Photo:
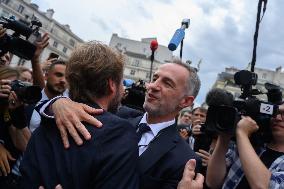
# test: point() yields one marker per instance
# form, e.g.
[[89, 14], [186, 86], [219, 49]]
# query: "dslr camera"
[[22, 42], [26, 92], [180, 127], [224, 118]]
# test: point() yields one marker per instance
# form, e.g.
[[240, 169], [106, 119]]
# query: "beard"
[[114, 103], [53, 90], [160, 109]]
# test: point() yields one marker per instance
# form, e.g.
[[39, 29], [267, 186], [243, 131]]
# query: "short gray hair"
[[193, 83]]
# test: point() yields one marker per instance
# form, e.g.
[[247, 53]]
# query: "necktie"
[[142, 128]]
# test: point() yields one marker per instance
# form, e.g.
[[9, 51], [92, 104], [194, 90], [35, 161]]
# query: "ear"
[[45, 76], [112, 86], [186, 101]]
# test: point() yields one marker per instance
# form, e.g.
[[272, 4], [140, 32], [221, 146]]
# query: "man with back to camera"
[[245, 167], [109, 159], [163, 153]]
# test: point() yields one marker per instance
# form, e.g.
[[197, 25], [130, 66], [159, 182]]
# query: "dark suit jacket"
[[108, 160], [127, 112], [161, 165]]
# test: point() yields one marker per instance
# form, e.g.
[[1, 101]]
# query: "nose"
[[153, 86], [63, 80]]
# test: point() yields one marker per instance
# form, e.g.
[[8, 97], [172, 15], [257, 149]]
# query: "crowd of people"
[[80, 135]]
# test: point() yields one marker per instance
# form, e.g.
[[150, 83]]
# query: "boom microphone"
[[218, 97], [178, 35]]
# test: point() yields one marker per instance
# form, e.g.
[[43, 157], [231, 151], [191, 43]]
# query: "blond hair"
[[90, 67]]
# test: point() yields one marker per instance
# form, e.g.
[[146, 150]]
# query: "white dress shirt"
[[147, 137], [36, 119]]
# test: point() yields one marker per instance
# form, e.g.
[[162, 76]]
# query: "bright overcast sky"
[[220, 33]]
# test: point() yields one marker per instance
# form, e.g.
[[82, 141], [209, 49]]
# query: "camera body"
[[26, 92], [22, 42], [186, 127]]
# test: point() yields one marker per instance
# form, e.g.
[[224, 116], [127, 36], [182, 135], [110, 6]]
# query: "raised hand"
[[188, 181]]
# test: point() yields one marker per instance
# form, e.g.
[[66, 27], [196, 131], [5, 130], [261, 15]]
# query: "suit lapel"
[[164, 142], [135, 121]]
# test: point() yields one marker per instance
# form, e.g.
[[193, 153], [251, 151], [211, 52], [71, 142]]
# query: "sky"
[[220, 33]]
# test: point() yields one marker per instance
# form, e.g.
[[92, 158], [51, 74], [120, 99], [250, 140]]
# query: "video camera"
[[21, 42], [224, 118], [135, 96]]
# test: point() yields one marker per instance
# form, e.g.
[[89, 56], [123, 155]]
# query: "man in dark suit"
[[163, 154], [109, 159]]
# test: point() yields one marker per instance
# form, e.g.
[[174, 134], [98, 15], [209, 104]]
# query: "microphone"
[[178, 35], [153, 47], [128, 82]]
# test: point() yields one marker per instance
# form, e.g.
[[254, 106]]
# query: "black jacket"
[[161, 165], [108, 160]]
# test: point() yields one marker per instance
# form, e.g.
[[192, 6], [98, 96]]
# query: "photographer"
[[201, 140], [6, 58], [184, 125], [185, 117], [244, 166], [25, 74], [14, 134]]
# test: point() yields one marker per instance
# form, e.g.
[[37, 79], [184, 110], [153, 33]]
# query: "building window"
[[132, 72], [72, 42], [21, 62], [5, 13], [135, 63], [34, 17], [64, 49], [21, 8], [264, 75], [6, 2], [148, 75], [55, 44]]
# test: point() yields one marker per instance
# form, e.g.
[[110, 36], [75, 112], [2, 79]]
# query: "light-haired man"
[[109, 159]]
